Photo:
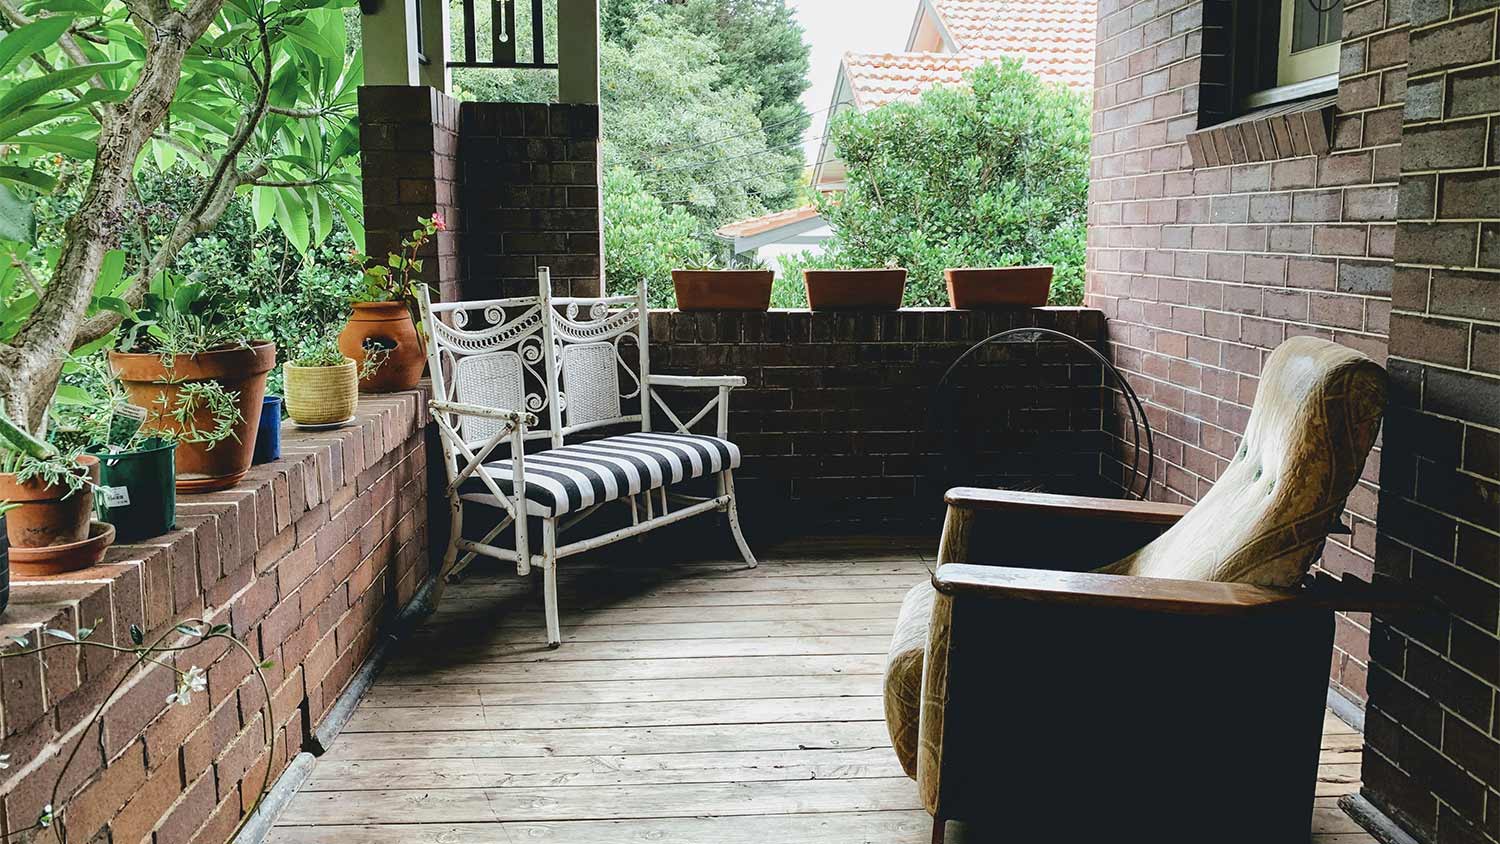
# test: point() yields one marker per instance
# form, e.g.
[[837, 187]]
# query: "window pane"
[[1314, 28]]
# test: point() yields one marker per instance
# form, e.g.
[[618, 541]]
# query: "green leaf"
[[219, 630], [37, 114], [322, 218], [163, 154], [262, 206], [31, 90], [16, 220], [29, 39], [137, 635], [270, 663], [292, 218], [69, 145], [29, 177]]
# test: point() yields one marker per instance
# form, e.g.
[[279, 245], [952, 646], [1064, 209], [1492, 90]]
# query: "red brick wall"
[[531, 196], [408, 139], [1432, 759], [841, 421], [1202, 271], [303, 559]]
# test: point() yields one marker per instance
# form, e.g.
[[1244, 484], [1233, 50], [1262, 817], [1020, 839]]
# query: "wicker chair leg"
[[549, 582], [939, 828], [734, 520]]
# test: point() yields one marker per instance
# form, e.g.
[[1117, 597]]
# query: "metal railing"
[[503, 52]]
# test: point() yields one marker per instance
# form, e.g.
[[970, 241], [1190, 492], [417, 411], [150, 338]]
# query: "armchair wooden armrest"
[[1008, 527], [1110, 509], [695, 380], [1155, 594]]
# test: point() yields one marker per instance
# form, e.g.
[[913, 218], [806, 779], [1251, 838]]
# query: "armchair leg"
[[939, 828], [726, 480], [455, 532], [549, 582]]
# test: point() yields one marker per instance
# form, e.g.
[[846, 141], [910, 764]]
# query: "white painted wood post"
[[388, 38]]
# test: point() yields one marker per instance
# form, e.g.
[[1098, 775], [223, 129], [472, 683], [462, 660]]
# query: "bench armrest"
[[695, 380], [1077, 506], [515, 417]]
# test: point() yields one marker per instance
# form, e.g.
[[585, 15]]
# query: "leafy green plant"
[[643, 239], [29, 457], [990, 173], [322, 350], [90, 397], [176, 318]]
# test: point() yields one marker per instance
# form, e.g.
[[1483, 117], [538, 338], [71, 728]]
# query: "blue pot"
[[4, 564], [268, 438]]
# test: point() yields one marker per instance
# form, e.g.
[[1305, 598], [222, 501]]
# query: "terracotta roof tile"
[[1055, 38], [880, 78]]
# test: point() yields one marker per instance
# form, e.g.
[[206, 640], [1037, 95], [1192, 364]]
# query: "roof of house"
[[766, 222], [1055, 38], [879, 78]]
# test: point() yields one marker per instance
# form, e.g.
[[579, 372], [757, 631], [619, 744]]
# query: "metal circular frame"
[[1138, 420]]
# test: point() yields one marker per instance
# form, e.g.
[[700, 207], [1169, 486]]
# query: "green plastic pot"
[[138, 490]]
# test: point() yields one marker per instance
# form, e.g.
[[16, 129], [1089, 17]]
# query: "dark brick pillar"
[[530, 188], [1431, 758], [409, 153]]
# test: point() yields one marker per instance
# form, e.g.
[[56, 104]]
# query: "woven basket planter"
[[321, 395]]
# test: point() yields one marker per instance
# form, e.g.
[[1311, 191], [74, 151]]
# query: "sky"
[[835, 27]]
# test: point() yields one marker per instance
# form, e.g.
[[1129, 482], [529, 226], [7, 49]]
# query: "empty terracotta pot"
[[870, 290], [723, 290], [50, 514], [58, 559], [387, 326], [202, 467], [998, 287]]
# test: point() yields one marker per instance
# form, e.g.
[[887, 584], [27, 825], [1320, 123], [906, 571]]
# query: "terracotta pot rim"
[[376, 306], [36, 490], [999, 269], [860, 270], [737, 271], [252, 359]]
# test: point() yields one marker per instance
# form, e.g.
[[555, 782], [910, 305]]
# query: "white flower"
[[44, 820], [4, 761], [195, 680]]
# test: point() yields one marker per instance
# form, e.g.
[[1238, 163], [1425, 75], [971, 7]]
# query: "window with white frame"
[[1285, 50]]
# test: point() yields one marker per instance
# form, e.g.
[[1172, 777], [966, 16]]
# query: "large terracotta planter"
[[50, 514], [723, 290], [998, 287], [202, 467], [321, 395], [867, 290], [387, 325]]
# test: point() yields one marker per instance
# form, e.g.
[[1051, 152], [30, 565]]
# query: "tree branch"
[[286, 183]]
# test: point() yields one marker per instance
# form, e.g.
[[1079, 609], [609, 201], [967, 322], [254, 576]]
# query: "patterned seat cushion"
[[903, 673], [574, 477]]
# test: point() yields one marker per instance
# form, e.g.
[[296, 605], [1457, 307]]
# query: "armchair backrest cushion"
[[1316, 414]]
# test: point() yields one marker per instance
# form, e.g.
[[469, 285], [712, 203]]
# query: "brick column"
[[1431, 759], [409, 154], [530, 188]]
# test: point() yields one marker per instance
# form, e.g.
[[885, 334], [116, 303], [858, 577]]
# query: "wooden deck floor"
[[691, 702]]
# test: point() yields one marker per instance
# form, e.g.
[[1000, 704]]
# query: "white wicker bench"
[[497, 364]]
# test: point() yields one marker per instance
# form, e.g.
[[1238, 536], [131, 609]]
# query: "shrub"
[[644, 239], [991, 173]]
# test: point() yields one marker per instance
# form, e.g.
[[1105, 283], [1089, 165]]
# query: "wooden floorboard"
[[693, 701]]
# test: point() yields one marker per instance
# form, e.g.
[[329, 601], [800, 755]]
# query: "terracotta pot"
[[998, 287], [389, 326], [57, 559], [723, 290], [321, 395], [870, 290], [149, 384], [50, 514]]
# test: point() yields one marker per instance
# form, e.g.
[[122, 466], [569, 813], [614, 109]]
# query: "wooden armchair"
[[1174, 695]]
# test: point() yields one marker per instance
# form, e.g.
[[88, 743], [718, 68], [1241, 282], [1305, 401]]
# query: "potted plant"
[[704, 287], [384, 329], [865, 289], [201, 383], [998, 287], [50, 494], [322, 384]]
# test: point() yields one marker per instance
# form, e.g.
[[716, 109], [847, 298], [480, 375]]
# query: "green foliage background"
[[990, 173]]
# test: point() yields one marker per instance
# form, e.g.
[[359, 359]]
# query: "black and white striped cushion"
[[563, 480]]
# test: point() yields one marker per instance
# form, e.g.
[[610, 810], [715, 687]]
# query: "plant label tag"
[[116, 496], [124, 421]]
